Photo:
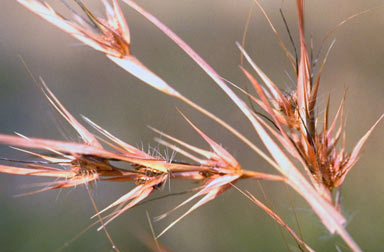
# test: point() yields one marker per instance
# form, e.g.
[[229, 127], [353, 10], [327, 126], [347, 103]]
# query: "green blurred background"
[[87, 83]]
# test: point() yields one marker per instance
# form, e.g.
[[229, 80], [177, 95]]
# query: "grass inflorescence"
[[306, 149]]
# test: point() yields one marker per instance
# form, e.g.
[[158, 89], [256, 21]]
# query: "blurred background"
[[89, 84]]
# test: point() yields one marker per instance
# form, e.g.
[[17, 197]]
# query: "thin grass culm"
[[300, 139]]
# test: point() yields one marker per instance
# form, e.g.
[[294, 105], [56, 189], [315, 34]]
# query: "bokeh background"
[[87, 83]]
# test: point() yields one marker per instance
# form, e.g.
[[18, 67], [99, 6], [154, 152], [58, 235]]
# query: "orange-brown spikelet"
[[73, 163], [110, 36], [81, 169], [224, 171], [84, 162]]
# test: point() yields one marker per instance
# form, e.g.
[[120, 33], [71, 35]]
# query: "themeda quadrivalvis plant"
[[288, 126]]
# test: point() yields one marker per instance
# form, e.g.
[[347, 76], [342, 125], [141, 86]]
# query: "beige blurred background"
[[87, 83]]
